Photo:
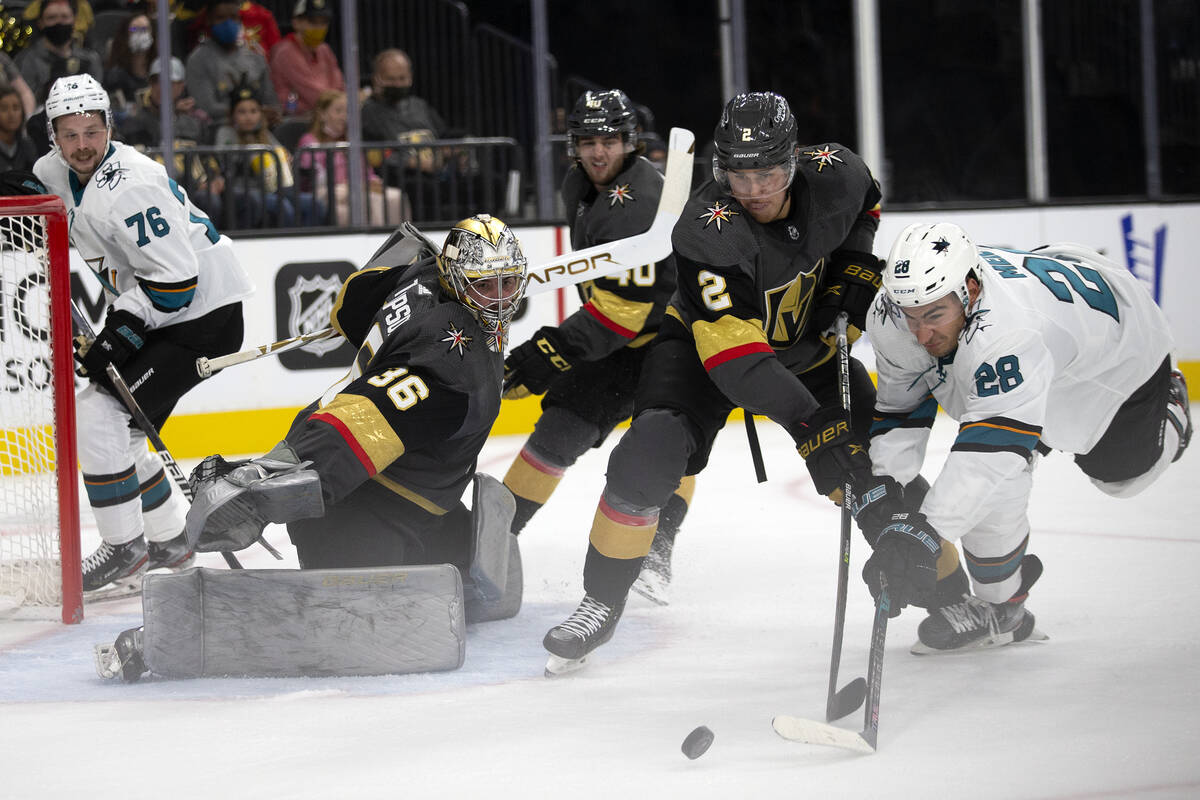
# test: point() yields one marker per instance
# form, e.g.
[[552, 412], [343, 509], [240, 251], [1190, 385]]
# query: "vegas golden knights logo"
[[788, 308]]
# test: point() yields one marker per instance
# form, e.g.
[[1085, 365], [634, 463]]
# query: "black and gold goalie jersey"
[[747, 291], [420, 399], [625, 309]]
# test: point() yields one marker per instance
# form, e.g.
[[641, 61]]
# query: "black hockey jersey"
[[747, 290], [419, 401], [622, 310]]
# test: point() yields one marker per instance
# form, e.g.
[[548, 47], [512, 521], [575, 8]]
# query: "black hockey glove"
[[831, 453], [907, 553], [123, 335], [850, 286], [531, 367]]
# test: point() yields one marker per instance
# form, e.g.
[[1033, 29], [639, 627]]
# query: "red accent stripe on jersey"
[[874, 212], [736, 352], [541, 466], [351, 442], [621, 518], [608, 323]]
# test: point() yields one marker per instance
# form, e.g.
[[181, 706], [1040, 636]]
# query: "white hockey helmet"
[[483, 267], [76, 94], [928, 262]]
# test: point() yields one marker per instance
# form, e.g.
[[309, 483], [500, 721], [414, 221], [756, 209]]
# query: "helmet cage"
[[483, 267]]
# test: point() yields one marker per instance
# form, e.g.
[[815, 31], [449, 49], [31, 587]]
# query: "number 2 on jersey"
[[1098, 296]]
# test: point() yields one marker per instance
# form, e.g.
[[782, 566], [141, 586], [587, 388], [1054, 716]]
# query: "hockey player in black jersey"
[[588, 365], [765, 262], [373, 472]]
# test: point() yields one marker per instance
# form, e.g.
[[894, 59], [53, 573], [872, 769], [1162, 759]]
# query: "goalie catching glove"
[[532, 366], [234, 500], [850, 286], [122, 336]]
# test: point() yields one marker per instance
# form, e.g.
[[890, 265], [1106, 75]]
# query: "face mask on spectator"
[[140, 41], [58, 35], [314, 36], [226, 31], [394, 94]]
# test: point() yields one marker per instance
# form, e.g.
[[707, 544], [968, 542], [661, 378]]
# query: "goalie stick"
[[566, 270], [798, 729], [840, 702]]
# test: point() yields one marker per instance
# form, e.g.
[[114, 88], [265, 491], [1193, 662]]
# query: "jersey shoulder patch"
[[714, 229]]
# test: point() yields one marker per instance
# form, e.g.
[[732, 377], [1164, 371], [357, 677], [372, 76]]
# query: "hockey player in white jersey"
[[1054, 349], [173, 287]]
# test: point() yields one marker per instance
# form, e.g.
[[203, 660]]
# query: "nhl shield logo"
[[311, 301]]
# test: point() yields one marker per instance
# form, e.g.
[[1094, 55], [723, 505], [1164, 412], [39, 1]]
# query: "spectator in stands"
[[321, 168], [17, 150], [55, 53], [259, 182], [201, 176], [260, 30], [302, 64], [11, 76], [84, 17], [392, 108], [222, 63], [127, 67]]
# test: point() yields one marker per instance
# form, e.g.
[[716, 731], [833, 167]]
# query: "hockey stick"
[[566, 270], [83, 327], [840, 702], [760, 470], [797, 729]]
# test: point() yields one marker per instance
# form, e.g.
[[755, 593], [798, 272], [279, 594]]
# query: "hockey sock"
[[532, 478]]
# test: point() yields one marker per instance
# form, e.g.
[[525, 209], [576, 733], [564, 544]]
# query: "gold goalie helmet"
[[483, 267]]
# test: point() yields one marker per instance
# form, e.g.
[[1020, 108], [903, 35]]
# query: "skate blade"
[[178, 566], [653, 589], [557, 666], [982, 643], [117, 590]]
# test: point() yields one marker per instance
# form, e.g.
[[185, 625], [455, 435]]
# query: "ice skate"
[[114, 570], [173, 554], [123, 658], [975, 624], [588, 627], [654, 581], [1179, 411]]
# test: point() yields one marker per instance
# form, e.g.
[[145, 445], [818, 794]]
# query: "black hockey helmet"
[[604, 113], [757, 130]]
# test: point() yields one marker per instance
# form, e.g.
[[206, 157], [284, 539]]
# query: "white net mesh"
[[30, 571]]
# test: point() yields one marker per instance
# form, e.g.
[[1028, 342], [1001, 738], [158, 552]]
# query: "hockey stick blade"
[[846, 700], [634, 251], [808, 731]]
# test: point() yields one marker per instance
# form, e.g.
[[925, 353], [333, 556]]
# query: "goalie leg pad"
[[492, 510], [288, 623]]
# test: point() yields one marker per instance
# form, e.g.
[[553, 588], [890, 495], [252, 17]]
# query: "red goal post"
[[39, 494]]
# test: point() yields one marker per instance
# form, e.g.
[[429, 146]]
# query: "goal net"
[[39, 505]]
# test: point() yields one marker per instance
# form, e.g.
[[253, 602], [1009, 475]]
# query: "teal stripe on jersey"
[[920, 417], [111, 490], [155, 491], [995, 435]]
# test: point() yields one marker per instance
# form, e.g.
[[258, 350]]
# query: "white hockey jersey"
[[158, 256], [1055, 343]]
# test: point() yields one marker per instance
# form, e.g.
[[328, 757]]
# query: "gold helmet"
[[483, 267]]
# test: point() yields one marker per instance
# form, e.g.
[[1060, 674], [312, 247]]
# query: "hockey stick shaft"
[[143, 422], [840, 703], [566, 270], [760, 469], [883, 605]]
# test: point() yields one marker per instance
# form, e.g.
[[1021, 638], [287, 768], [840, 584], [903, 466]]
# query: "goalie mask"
[[483, 267], [927, 263], [607, 113], [76, 94], [756, 135]]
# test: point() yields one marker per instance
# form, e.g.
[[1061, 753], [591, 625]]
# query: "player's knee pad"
[[561, 437], [646, 466], [234, 501]]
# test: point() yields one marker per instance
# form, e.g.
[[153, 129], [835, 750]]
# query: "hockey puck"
[[697, 742]]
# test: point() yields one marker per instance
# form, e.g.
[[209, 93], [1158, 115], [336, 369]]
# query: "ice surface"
[[1108, 708]]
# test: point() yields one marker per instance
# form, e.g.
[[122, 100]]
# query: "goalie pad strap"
[[282, 623]]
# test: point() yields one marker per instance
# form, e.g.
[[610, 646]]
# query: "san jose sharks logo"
[[457, 340], [718, 213], [824, 156], [110, 175], [619, 194]]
